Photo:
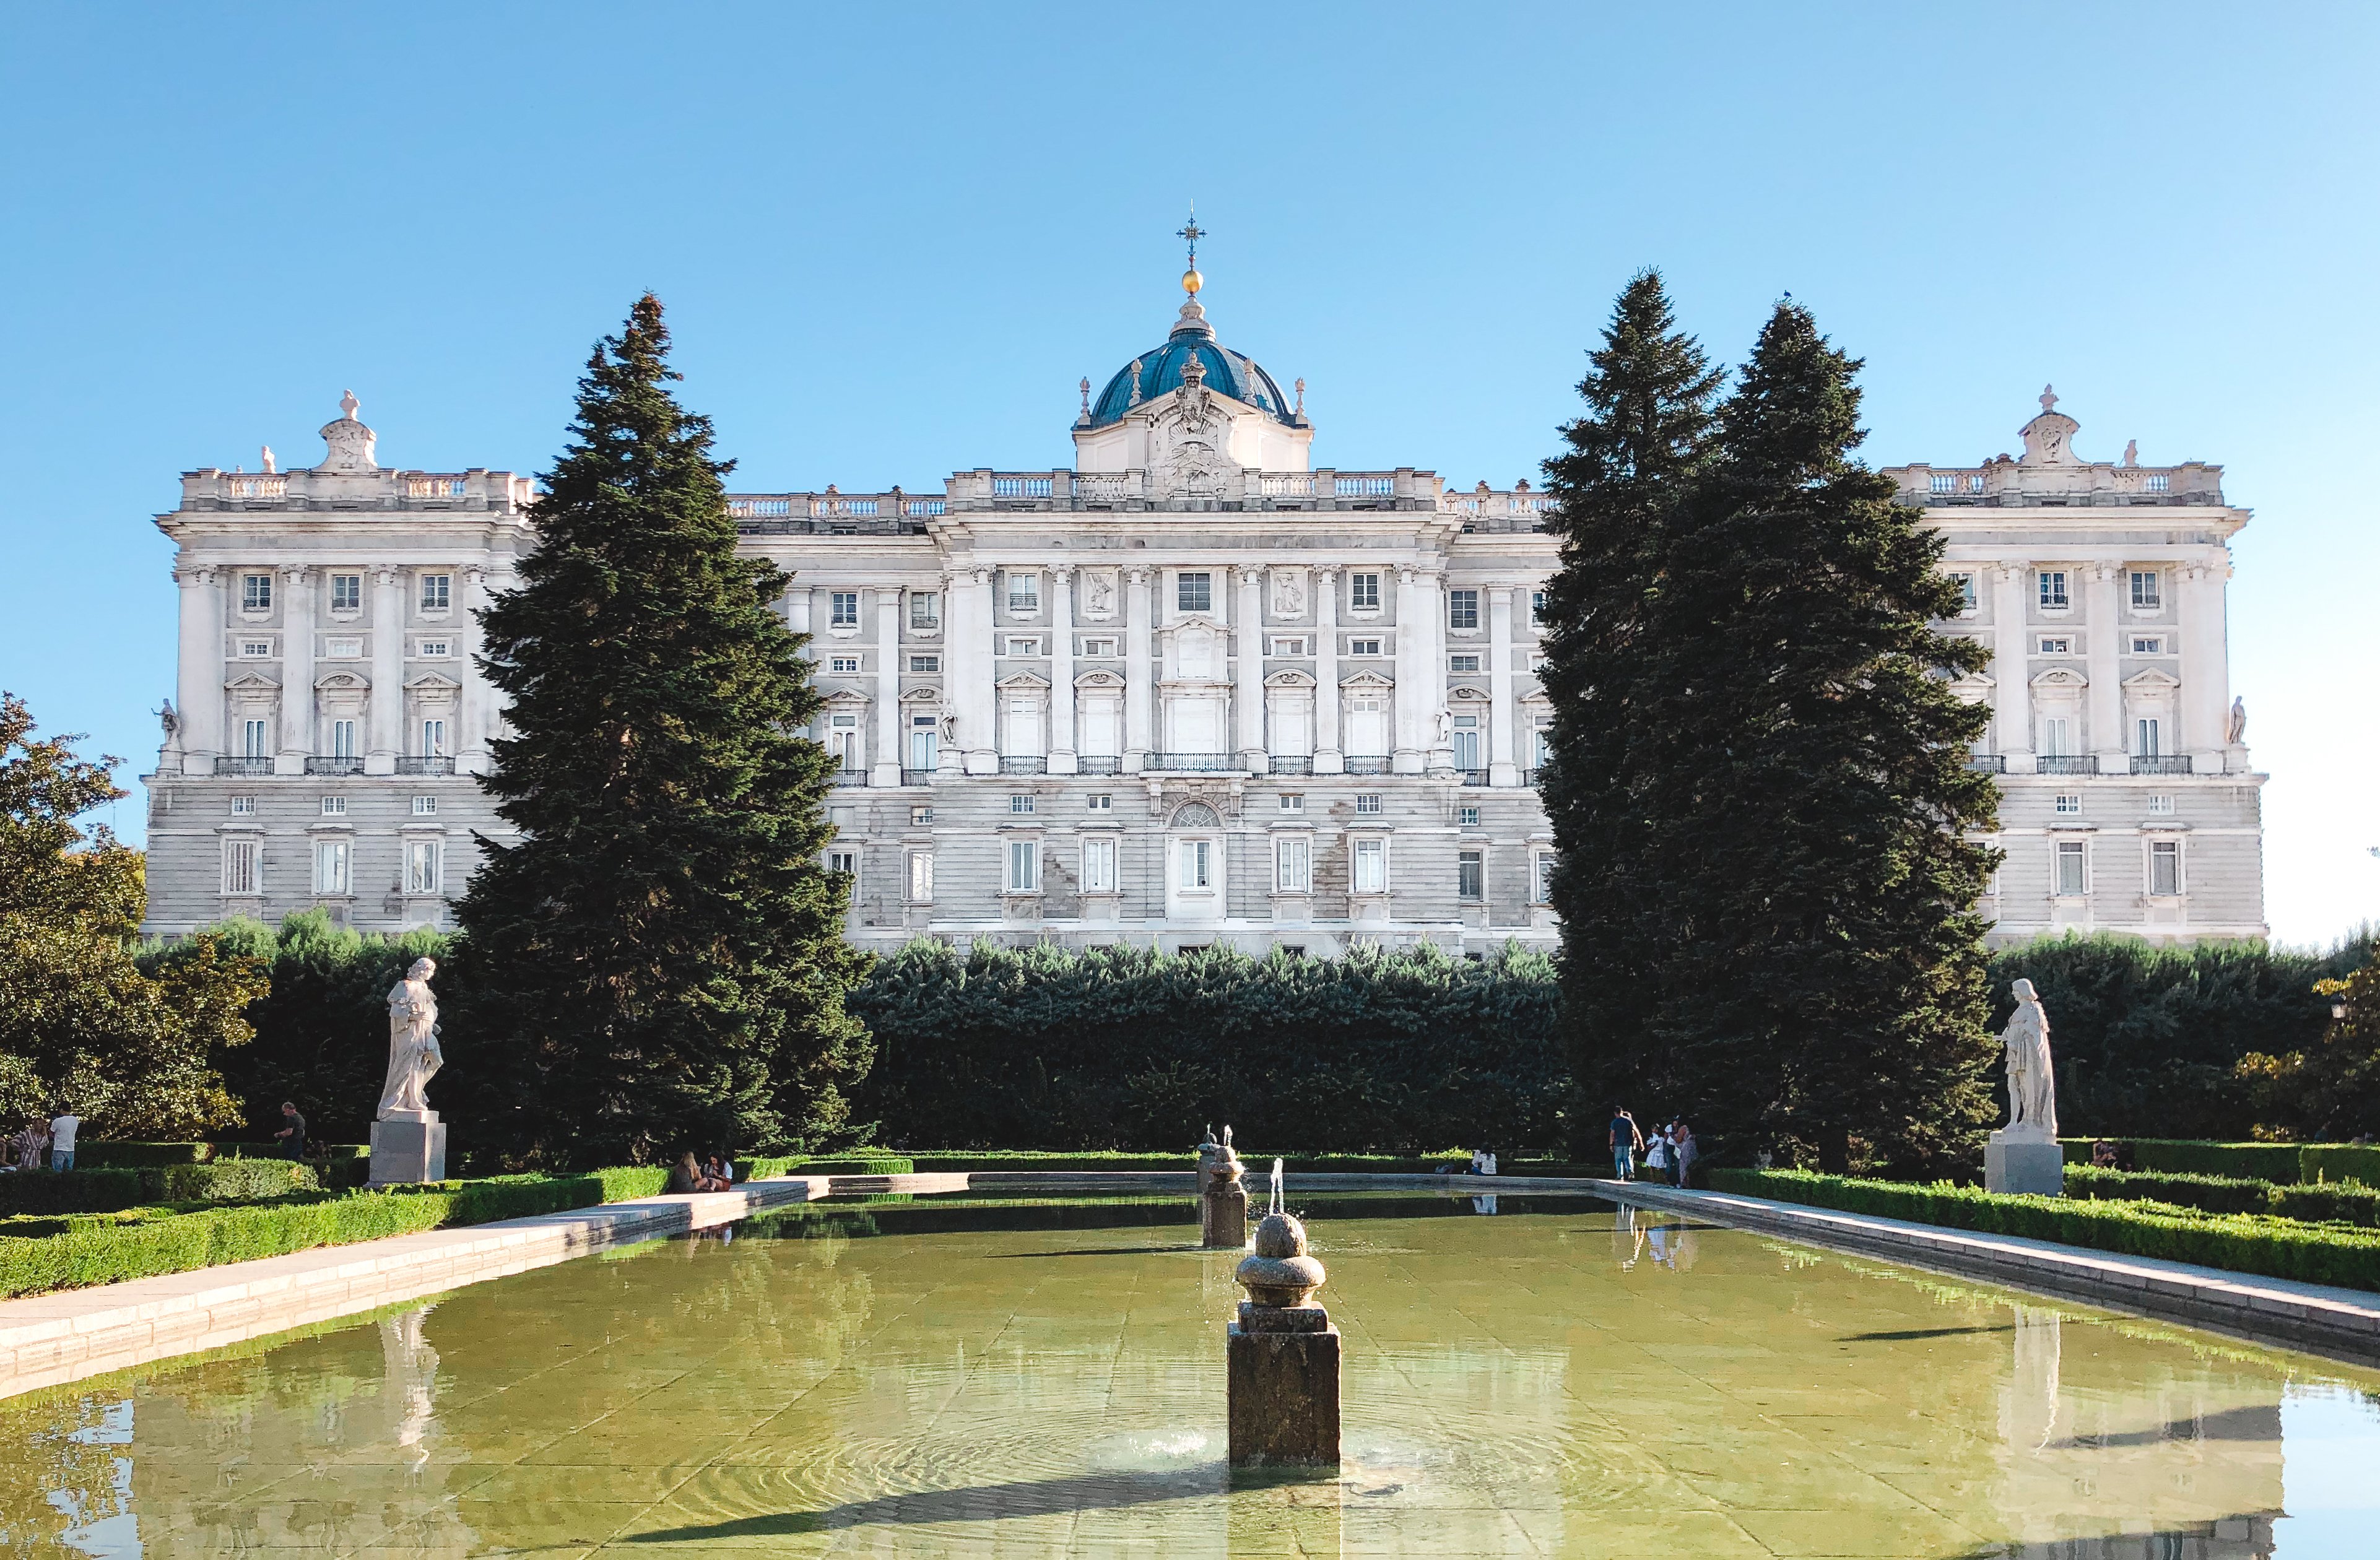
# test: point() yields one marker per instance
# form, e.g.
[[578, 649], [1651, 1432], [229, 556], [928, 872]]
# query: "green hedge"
[[2281, 1162], [2346, 1203], [1258, 1163], [860, 1163], [2338, 1161], [2278, 1248], [99, 1191]]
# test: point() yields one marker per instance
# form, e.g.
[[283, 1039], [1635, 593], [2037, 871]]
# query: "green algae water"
[[1538, 1376]]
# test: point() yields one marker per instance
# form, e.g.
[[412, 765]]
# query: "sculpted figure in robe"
[[2032, 1091], [413, 1055]]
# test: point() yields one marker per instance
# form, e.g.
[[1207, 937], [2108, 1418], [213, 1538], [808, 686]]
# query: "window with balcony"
[[1024, 593], [1368, 872], [1293, 864], [424, 862], [240, 875], [1466, 742], [1024, 866], [437, 592], [925, 745], [256, 593], [843, 609], [2148, 590], [253, 740], [1363, 593], [1099, 866], [2051, 586], [1470, 874], [343, 739], [2148, 737], [925, 610], [434, 739], [1194, 592], [2165, 868]]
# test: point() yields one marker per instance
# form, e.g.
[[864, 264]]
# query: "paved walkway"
[[75, 1333]]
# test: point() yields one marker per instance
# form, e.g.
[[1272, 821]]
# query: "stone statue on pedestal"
[[2024, 1157], [408, 1141]]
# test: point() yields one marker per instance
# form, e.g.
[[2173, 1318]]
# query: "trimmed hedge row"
[[2332, 1202], [2281, 1162], [1182, 1159], [144, 1155], [859, 1163], [103, 1191], [2278, 1248]]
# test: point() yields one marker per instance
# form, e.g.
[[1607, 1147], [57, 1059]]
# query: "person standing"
[[1682, 1152], [1656, 1153], [62, 1128], [293, 1131], [1625, 1140]]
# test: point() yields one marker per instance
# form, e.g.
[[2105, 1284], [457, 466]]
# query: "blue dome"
[[1160, 373]]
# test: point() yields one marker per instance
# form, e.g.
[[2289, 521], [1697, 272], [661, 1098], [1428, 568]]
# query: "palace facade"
[[1196, 689]]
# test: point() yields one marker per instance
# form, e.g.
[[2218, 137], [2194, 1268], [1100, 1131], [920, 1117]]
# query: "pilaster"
[[1138, 673], [297, 671], [386, 739], [2012, 684], [1501, 768], [1329, 756], [1064, 754], [887, 769], [1247, 671]]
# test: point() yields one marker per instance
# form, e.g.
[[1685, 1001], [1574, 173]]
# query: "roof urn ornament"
[[346, 442], [1084, 419], [1135, 371]]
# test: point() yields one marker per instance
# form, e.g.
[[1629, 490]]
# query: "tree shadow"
[[978, 1503]]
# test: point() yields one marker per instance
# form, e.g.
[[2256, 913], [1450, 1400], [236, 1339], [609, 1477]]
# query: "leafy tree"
[[1630, 462], [2328, 1090], [1802, 766], [81, 1027], [660, 958]]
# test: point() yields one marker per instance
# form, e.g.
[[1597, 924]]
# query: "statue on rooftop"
[[2235, 730]]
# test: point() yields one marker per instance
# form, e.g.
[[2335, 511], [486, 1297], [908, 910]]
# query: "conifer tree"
[[1645, 435], [1826, 983], [658, 962]]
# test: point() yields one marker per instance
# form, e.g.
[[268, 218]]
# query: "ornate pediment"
[[1290, 677], [2060, 678], [1099, 679], [1467, 691], [846, 698], [342, 682], [922, 696], [1023, 681], [1367, 681], [431, 683], [2152, 680], [251, 683]]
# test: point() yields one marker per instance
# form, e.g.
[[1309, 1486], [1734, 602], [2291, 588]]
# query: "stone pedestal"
[[408, 1145], [1285, 1385], [2025, 1165], [1224, 1213]]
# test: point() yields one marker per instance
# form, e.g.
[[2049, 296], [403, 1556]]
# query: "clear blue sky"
[[892, 239]]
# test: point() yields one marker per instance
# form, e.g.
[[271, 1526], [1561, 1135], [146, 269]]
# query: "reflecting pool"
[[1535, 1377]]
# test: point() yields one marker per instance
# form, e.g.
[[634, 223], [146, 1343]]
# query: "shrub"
[[2212, 1194], [106, 1190], [2349, 1202], [2328, 1162], [2278, 1248]]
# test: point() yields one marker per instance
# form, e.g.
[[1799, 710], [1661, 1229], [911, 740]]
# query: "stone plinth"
[[2024, 1166], [1285, 1385], [408, 1146], [1224, 1213]]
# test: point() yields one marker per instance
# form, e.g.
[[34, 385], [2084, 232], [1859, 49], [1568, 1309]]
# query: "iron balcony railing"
[[426, 765], [1208, 762], [1471, 777], [320, 766], [917, 777], [1286, 764], [850, 777], [1024, 764], [1366, 765], [1987, 763], [2160, 763], [2069, 764], [1529, 777], [228, 766], [1100, 763]]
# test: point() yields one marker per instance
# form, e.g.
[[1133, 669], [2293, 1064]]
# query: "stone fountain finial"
[[1283, 1353], [1223, 1195], [1280, 1273]]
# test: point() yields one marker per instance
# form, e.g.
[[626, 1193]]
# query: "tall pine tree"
[[1824, 988], [659, 963], [1645, 435]]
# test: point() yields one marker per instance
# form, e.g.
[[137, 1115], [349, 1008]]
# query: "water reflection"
[[894, 1379]]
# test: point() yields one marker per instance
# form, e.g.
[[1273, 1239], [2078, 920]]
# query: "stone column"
[[2104, 625], [2205, 673], [1063, 760], [1139, 676], [474, 699], [296, 670], [1502, 767], [971, 691], [386, 738], [2013, 691], [1248, 674], [1438, 744], [888, 688], [1412, 643], [1329, 758], [199, 683]]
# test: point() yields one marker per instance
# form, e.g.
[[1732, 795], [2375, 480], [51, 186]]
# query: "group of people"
[[715, 1173], [53, 1139], [1666, 1153]]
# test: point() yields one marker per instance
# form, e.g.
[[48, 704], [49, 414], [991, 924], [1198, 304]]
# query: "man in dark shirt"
[[292, 1131], [1625, 1140]]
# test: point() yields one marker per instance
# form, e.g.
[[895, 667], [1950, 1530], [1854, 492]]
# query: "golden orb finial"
[[1192, 280]]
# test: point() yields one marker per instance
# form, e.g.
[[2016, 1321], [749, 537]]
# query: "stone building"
[[1194, 689]]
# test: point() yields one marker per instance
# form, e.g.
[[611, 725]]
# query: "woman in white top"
[[1656, 1153]]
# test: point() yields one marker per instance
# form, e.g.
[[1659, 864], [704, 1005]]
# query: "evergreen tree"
[[658, 962], [1631, 458], [1825, 985]]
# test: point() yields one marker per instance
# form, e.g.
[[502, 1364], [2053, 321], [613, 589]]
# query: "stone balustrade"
[[494, 491], [2018, 483]]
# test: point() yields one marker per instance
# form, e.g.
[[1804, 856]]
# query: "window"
[[1470, 874], [255, 650], [2067, 803], [1541, 883], [2059, 645], [1195, 593], [1466, 817], [1463, 663], [421, 865], [1362, 647], [1024, 593], [1543, 744], [1363, 593], [245, 806], [239, 866], [1369, 802], [2056, 738], [253, 743], [434, 739], [330, 866], [846, 861], [343, 739], [1023, 866], [334, 806], [2052, 584], [1462, 609], [2165, 868], [843, 609], [1100, 648], [437, 592], [346, 593], [1371, 867], [2148, 645], [921, 814], [435, 650], [2070, 878], [425, 806], [921, 875], [925, 610], [1292, 865], [1966, 584], [843, 663], [842, 742], [2147, 734], [1196, 857], [1289, 644], [1292, 802], [1466, 742], [2148, 590], [924, 663], [1099, 802], [925, 741], [342, 649], [2161, 804], [1020, 805], [1099, 866], [1030, 646], [256, 593], [1536, 606]]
